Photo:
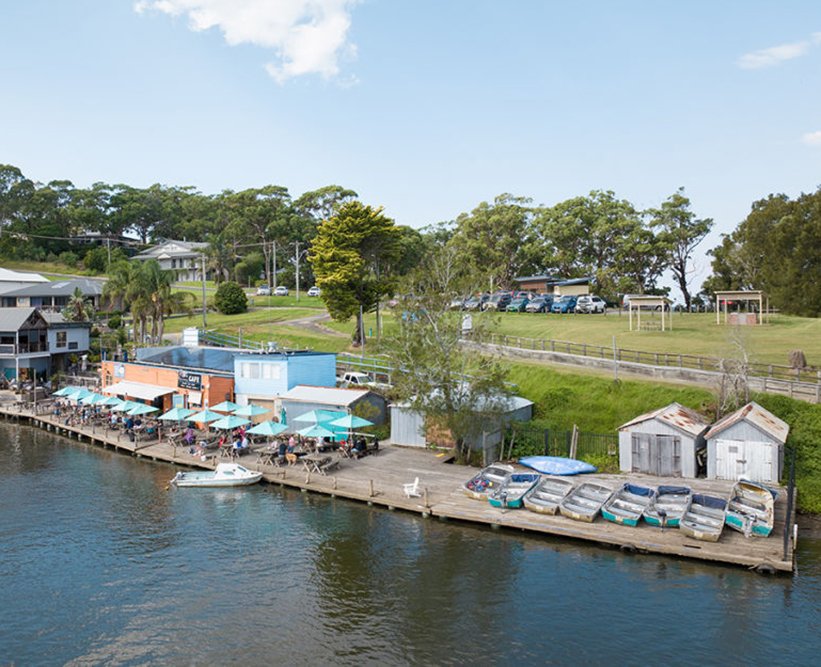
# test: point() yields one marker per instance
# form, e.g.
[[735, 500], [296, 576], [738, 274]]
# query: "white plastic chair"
[[412, 490]]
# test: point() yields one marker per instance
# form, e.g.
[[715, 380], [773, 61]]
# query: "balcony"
[[11, 350]]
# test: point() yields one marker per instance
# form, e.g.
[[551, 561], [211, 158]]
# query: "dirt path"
[[312, 323]]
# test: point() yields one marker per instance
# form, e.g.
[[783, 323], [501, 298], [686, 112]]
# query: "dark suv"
[[498, 301]]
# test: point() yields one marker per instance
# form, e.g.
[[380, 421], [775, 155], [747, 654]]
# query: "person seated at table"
[[360, 447], [282, 450], [237, 451], [114, 420]]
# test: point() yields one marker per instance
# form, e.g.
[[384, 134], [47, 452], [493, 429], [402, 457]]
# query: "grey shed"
[[663, 442]]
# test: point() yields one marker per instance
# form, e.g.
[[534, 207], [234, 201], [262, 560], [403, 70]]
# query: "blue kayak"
[[557, 465]]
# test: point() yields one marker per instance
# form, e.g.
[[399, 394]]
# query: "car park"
[[541, 304], [264, 290], [476, 302], [564, 304], [314, 291], [281, 291], [458, 303], [590, 304], [518, 305], [498, 301]]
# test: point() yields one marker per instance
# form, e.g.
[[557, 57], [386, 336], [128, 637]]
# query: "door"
[[760, 466], [656, 454], [731, 459]]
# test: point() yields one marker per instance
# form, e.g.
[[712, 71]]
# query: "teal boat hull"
[[758, 529], [623, 520], [669, 523]]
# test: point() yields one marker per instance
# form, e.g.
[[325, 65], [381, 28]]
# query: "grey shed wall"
[[657, 427], [746, 432]]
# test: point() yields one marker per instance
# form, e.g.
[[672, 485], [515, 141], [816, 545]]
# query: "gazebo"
[[661, 303], [748, 296]]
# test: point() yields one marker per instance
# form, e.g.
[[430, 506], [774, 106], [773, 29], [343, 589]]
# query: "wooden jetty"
[[378, 480]]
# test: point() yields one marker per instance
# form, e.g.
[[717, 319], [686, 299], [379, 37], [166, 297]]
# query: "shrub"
[[68, 258], [96, 260], [230, 299]]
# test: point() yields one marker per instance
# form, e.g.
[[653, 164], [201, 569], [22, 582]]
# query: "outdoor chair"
[[412, 490]]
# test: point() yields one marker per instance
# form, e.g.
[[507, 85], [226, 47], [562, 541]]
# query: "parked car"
[[314, 291], [281, 291], [526, 295], [355, 379], [498, 301], [590, 304], [458, 303], [541, 304], [476, 302], [264, 291], [518, 305], [564, 304]]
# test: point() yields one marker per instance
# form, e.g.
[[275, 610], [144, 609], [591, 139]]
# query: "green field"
[[251, 322], [693, 333]]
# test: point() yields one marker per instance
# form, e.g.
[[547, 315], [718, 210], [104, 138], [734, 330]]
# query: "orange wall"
[[215, 389]]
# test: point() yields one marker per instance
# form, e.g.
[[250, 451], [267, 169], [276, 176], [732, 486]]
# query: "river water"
[[101, 563]]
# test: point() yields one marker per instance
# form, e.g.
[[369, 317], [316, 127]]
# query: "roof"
[[675, 415], [513, 403], [173, 249], [61, 288], [7, 275], [204, 358], [142, 390], [324, 395], [12, 319], [544, 277], [280, 355], [753, 413], [56, 319], [573, 281]]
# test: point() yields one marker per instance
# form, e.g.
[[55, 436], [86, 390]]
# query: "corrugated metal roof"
[[61, 288], [324, 395], [11, 319], [675, 415], [7, 275], [758, 417]]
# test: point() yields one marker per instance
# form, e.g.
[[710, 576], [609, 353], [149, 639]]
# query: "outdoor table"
[[314, 462]]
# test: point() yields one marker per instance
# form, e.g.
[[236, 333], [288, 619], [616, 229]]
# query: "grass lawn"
[[251, 322], [693, 333]]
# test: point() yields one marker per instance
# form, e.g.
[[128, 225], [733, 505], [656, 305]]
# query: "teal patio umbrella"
[[268, 428], [225, 406], [92, 398], [318, 416], [351, 422], [78, 394], [230, 422], [65, 391], [316, 431], [111, 401], [176, 414], [205, 416], [125, 406], [141, 409], [250, 410]]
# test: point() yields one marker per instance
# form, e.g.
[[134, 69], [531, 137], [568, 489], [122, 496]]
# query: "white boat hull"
[[226, 474]]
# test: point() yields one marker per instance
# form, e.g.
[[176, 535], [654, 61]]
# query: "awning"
[[147, 392]]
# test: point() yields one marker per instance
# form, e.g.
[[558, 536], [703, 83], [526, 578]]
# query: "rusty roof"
[[675, 415], [753, 413]]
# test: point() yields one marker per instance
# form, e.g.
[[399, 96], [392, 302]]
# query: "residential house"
[[182, 257], [53, 295]]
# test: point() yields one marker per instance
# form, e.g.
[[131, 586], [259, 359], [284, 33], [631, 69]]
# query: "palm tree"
[[77, 309]]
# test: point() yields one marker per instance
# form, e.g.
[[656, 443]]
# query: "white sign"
[[467, 323]]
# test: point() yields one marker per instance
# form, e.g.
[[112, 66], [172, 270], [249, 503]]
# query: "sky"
[[425, 107]]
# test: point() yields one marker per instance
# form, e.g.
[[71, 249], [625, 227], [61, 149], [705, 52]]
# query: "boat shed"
[[664, 442], [304, 398], [747, 443], [409, 427]]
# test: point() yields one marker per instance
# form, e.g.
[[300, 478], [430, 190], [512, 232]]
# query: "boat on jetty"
[[627, 504], [544, 498], [488, 480], [515, 486], [751, 509], [668, 506], [584, 502], [557, 465], [704, 518], [225, 474]]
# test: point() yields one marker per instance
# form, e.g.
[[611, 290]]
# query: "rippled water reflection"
[[100, 562]]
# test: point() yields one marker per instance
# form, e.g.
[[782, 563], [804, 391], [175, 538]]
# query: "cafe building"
[[167, 377]]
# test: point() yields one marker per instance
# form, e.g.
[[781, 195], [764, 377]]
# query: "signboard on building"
[[119, 371], [186, 380]]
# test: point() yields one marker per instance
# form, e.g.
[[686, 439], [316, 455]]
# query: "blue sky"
[[425, 107]]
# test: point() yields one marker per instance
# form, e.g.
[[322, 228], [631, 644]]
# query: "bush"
[[230, 299], [68, 258], [96, 260], [115, 321]]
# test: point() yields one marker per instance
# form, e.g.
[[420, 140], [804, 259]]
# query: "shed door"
[[656, 454], [731, 459], [760, 466]]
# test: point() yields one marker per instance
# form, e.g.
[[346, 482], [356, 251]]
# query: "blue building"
[[262, 377]]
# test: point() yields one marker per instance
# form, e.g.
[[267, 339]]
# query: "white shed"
[[663, 442], [747, 443]]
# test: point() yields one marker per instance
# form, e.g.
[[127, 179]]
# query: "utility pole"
[[204, 302], [275, 263], [297, 270]]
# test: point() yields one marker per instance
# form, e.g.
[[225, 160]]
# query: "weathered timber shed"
[[747, 443], [663, 442], [303, 398]]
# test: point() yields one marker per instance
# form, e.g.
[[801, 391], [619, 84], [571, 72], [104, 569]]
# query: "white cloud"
[[812, 138], [307, 36], [775, 55]]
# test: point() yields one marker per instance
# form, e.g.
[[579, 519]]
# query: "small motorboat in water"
[[225, 474], [510, 493], [544, 498], [488, 480]]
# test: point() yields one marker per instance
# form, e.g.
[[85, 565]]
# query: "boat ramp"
[[380, 481]]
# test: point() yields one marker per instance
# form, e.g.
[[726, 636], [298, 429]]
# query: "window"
[[249, 370], [61, 338]]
